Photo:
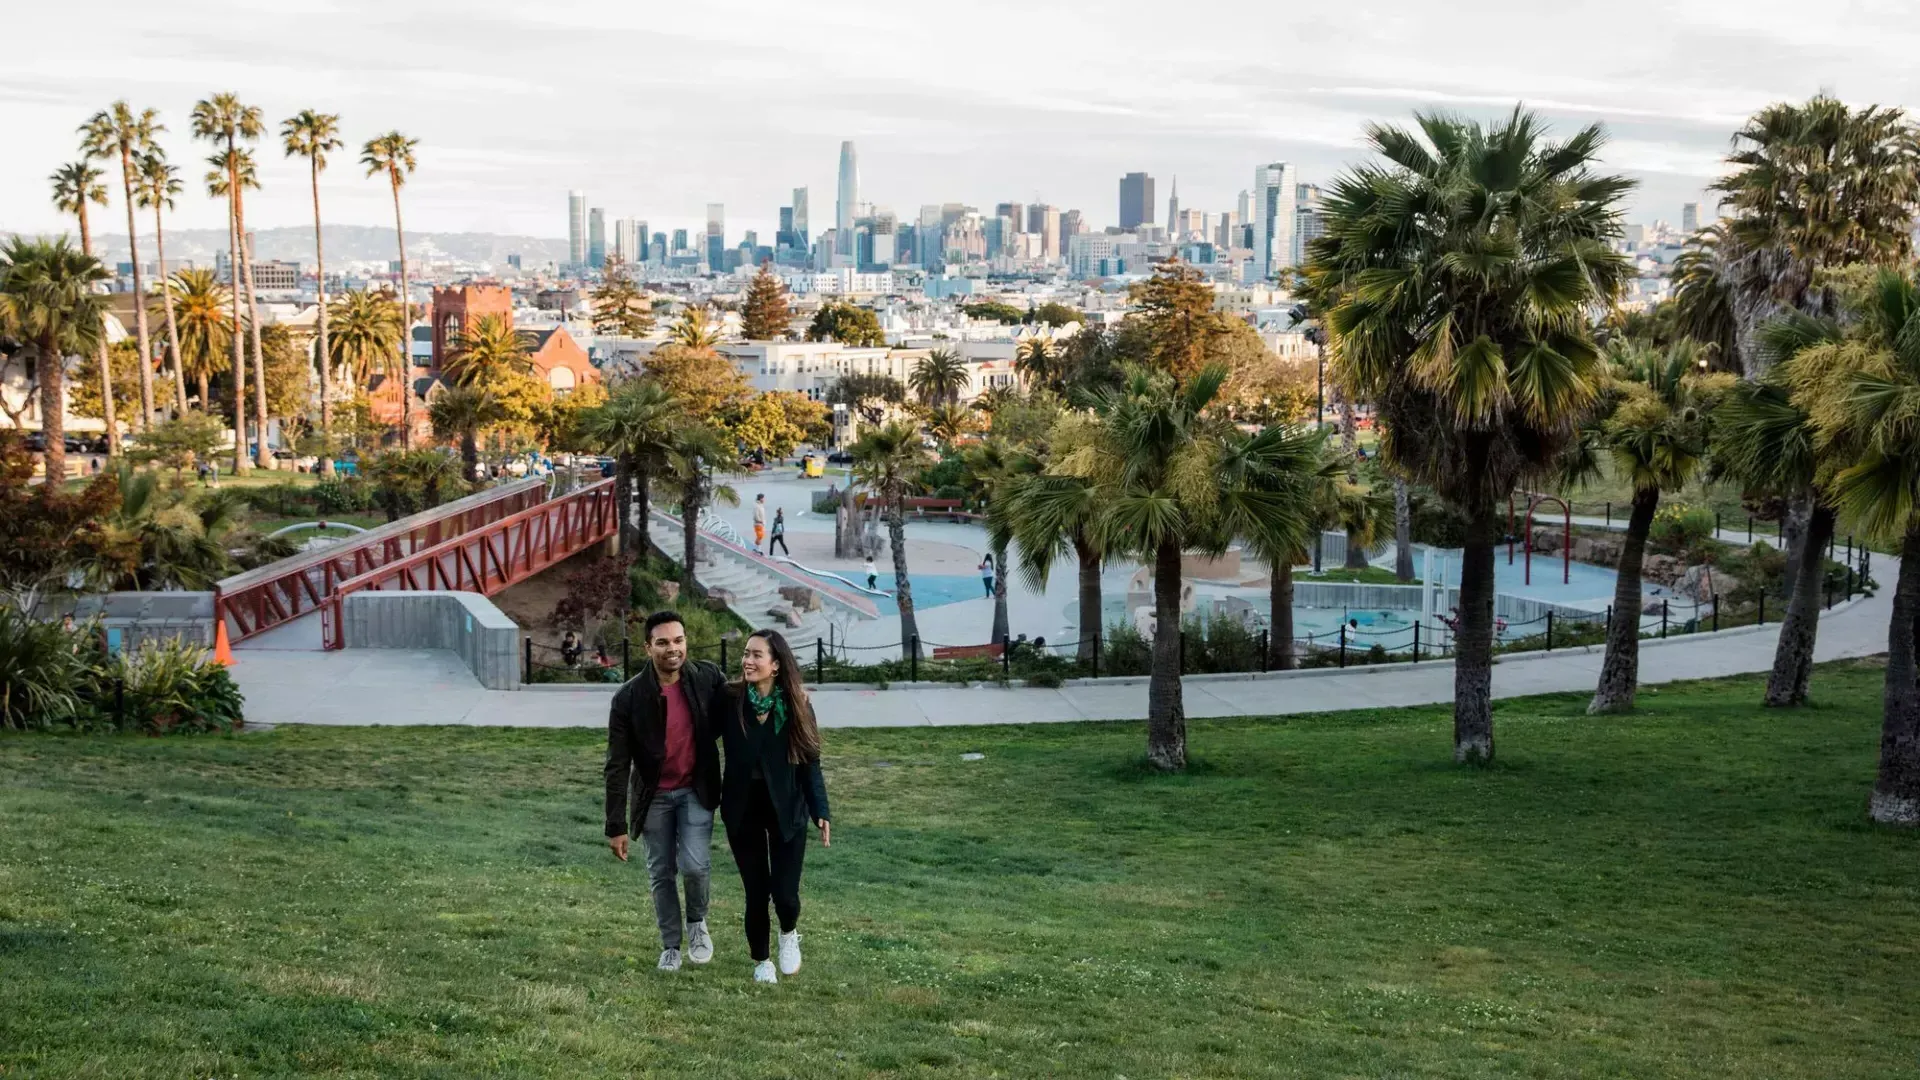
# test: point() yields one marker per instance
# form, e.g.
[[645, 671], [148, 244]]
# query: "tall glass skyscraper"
[[596, 238], [576, 228], [716, 237], [849, 197], [1275, 192]]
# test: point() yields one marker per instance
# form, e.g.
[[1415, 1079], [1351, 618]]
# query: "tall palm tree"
[[636, 425], [1458, 275], [74, 186], [948, 423], [487, 350], [695, 329], [314, 135], [689, 467], [1863, 395], [365, 326], [991, 466], [159, 183], [1044, 517], [203, 308], [1655, 432], [458, 413], [1402, 531], [1764, 440], [1037, 361], [939, 378], [1364, 513], [224, 121], [1299, 466], [118, 130], [392, 154], [46, 295], [890, 460]]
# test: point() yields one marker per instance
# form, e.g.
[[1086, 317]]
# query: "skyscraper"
[[1044, 221], [1173, 211], [1690, 218], [1309, 220], [716, 237], [596, 238], [844, 208], [800, 218], [1136, 200], [1017, 212], [1070, 227], [641, 246], [576, 228], [627, 242], [1274, 192]]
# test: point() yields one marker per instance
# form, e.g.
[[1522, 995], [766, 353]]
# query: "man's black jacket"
[[637, 742]]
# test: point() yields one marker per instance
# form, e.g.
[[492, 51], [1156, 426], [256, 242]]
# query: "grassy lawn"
[[1691, 891]]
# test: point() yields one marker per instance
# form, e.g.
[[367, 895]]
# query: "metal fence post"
[[820, 659], [1343, 644], [1006, 658], [723, 652], [1715, 597], [913, 658], [1763, 607], [1609, 514], [1266, 643], [1849, 581], [1416, 643], [1716, 524], [1096, 654], [1663, 618], [1749, 529], [1549, 629], [119, 702], [526, 652]]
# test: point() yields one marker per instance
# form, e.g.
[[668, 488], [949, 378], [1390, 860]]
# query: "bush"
[[1434, 521], [1679, 527], [43, 672], [53, 678], [279, 500], [1124, 650], [343, 495]]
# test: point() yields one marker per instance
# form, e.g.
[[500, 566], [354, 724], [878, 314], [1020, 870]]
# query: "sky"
[[656, 110]]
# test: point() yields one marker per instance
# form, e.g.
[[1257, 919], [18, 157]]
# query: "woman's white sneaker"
[[699, 942], [790, 952], [763, 972], [670, 960]]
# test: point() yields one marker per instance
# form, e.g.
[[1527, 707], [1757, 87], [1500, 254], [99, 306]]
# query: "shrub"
[[50, 678], [1124, 650], [43, 671], [1434, 521], [343, 495], [1680, 527], [279, 500]]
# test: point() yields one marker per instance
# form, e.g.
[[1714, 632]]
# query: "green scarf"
[[773, 705]]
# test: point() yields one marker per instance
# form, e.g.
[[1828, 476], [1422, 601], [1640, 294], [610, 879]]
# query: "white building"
[[811, 367], [839, 281]]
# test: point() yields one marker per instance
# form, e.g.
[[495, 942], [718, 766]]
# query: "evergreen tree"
[[619, 306], [765, 315]]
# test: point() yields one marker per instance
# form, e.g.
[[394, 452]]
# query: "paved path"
[[364, 686]]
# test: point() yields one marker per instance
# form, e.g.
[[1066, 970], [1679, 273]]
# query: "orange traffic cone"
[[222, 651]]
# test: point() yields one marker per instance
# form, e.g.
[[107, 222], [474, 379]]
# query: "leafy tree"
[[889, 460], [708, 385], [409, 481], [765, 314], [939, 377], [289, 378], [868, 394], [1175, 311], [847, 324], [118, 130], [393, 155], [83, 399], [619, 305], [314, 135], [46, 533], [772, 423], [75, 186], [1456, 276], [635, 425], [993, 311], [458, 413], [560, 422], [1055, 314], [183, 441], [1024, 419], [47, 298]]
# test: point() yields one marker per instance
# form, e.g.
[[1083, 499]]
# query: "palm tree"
[[159, 183], [689, 466], [490, 349], [939, 378], [1656, 435], [459, 412], [365, 326], [948, 423], [202, 307], [889, 460], [118, 130], [1765, 440], [1167, 474], [1402, 531], [1037, 361], [46, 295], [314, 135], [991, 468], [695, 329], [74, 186], [636, 424], [1364, 513], [1043, 517], [1457, 277], [223, 121], [1298, 466], [1863, 395], [237, 167], [392, 154]]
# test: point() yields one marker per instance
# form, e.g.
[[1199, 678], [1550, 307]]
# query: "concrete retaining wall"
[[130, 618], [464, 622]]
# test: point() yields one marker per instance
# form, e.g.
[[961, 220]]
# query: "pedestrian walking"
[[779, 534]]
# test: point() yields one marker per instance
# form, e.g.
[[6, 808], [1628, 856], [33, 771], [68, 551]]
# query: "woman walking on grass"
[[772, 788]]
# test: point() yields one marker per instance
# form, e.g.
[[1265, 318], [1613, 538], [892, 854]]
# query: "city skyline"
[[1022, 133]]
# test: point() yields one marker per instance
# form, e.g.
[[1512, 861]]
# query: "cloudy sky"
[[656, 109]]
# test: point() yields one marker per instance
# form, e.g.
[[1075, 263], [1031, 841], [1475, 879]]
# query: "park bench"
[[966, 652]]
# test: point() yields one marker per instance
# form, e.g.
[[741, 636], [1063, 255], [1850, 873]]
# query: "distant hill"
[[345, 243]]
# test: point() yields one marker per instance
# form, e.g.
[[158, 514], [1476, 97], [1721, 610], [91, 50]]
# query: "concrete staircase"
[[755, 583]]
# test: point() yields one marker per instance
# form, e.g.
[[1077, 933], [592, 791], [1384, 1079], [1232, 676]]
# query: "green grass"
[[1691, 891]]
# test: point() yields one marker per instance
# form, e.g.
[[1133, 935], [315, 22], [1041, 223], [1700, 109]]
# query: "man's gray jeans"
[[678, 836]]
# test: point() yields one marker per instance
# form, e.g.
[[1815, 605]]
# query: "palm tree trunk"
[[173, 326], [1356, 553], [1793, 656], [100, 353], [50, 366], [469, 453], [903, 588], [1793, 533], [1620, 671], [262, 455], [643, 522], [406, 350], [205, 392], [1280, 615], [1402, 532], [1473, 641], [846, 528], [1166, 712], [325, 355], [1896, 791], [623, 498], [689, 535], [139, 292], [241, 462], [1090, 614], [1001, 631], [1349, 438]]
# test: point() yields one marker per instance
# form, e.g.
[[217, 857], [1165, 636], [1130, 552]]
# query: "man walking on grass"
[[662, 751]]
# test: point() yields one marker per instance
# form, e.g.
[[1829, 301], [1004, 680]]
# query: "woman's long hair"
[[803, 739]]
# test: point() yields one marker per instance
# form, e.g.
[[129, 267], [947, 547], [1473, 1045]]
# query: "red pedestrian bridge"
[[482, 543]]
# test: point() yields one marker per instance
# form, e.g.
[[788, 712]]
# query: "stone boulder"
[[1546, 541], [803, 598], [1662, 569], [720, 599], [669, 592], [1701, 583]]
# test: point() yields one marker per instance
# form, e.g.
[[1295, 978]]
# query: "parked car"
[[839, 457]]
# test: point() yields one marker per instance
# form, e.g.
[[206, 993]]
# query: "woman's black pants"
[[769, 869]]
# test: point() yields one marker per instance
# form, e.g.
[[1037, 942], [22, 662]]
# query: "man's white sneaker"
[[699, 942], [790, 953], [763, 972], [670, 960]]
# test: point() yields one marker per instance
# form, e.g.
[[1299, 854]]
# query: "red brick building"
[[557, 358]]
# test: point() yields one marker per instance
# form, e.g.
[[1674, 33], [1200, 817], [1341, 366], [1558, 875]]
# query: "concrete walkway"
[[365, 687]]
